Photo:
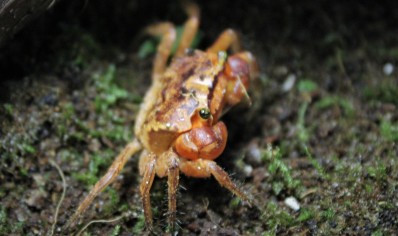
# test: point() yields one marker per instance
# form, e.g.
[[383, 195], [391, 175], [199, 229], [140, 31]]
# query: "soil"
[[317, 149]]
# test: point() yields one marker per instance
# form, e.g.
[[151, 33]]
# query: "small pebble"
[[248, 170], [254, 153], [388, 68], [292, 203], [289, 83]]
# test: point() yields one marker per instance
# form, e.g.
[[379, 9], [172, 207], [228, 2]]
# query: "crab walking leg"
[[190, 28], [227, 39], [202, 168], [224, 180], [107, 179], [145, 188], [167, 32], [172, 182]]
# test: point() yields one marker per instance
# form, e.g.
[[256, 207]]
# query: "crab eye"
[[204, 113]]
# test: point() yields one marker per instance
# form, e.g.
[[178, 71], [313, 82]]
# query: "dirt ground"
[[317, 150]]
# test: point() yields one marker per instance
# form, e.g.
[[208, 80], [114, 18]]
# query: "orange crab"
[[177, 127]]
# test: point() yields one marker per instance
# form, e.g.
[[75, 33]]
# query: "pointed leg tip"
[[149, 226]]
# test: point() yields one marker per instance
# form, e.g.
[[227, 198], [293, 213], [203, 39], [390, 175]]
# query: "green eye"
[[204, 113]]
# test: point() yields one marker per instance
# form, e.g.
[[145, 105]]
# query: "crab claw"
[[239, 70], [202, 142]]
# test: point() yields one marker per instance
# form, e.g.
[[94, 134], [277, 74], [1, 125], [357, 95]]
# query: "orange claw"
[[202, 142], [239, 69]]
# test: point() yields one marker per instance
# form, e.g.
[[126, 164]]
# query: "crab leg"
[[167, 32], [202, 168], [190, 28], [107, 179], [145, 188], [224, 180], [172, 182], [227, 39]]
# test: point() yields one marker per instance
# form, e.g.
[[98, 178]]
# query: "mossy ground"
[[323, 127]]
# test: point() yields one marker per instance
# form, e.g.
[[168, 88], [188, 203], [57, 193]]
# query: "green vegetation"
[[384, 91], [8, 109], [279, 170], [306, 86], [389, 130], [276, 217], [316, 164], [139, 225], [303, 134], [343, 103], [378, 171], [115, 231], [108, 92], [91, 175], [8, 227]]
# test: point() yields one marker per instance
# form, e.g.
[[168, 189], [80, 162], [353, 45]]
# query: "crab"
[[177, 128]]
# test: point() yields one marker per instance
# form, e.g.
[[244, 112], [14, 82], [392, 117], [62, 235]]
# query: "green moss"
[[328, 214], [7, 227], [389, 130], [123, 207], [108, 123], [386, 91], [305, 215], [113, 202], [234, 203], [377, 232], [316, 164], [9, 109], [378, 171], [329, 101], [27, 148], [277, 167], [108, 92], [306, 86], [65, 119], [98, 160], [116, 231], [274, 217], [303, 133], [147, 47], [17, 145], [3, 218], [139, 226]]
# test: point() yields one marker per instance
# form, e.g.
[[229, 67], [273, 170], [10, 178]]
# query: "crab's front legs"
[[166, 164], [147, 169], [172, 182], [202, 168]]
